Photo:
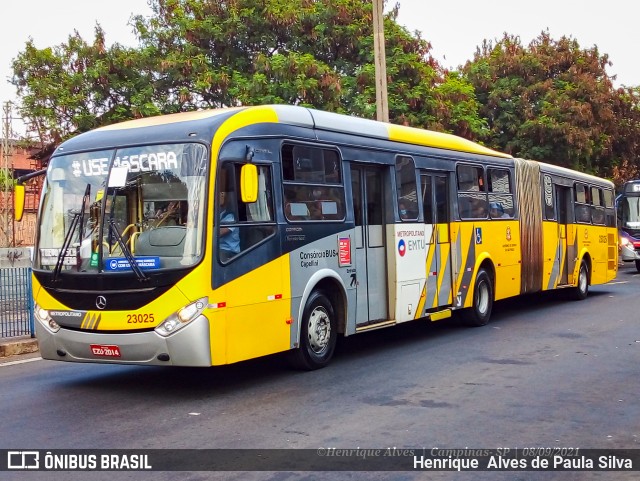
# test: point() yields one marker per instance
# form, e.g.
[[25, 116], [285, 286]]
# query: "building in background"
[[16, 161]]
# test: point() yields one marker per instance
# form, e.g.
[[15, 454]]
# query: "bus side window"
[[582, 204], [427, 198], [243, 225], [312, 184], [406, 188], [609, 206], [500, 194], [472, 197], [597, 206], [548, 198]]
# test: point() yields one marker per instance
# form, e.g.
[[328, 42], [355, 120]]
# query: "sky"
[[454, 28]]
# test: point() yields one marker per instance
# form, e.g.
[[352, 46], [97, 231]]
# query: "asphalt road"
[[546, 372]]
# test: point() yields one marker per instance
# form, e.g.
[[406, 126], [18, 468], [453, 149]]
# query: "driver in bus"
[[229, 245]]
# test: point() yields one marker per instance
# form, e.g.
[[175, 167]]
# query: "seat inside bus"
[[167, 241]]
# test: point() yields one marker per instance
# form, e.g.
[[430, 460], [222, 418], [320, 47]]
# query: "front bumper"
[[190, 346]]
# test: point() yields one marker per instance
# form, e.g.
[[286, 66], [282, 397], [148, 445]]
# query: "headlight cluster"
[[45, 319], [184, 316]]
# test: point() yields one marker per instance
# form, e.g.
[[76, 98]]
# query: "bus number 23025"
[[139, 318]]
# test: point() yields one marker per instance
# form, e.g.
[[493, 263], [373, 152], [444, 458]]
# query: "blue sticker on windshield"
[[122, 264]]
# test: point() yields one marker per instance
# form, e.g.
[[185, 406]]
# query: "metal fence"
[[16, 302]]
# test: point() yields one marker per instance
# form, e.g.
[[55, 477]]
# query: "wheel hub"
[[319, 330], [483, 297]]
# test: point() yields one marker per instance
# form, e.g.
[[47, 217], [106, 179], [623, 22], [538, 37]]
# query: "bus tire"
[[318, 334], [582, 288], [480, 311], [638, 265]]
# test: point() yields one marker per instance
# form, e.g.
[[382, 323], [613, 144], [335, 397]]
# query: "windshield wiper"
[[85, 201], [113, 229], [111, 217], [78, 219], [65, 246]]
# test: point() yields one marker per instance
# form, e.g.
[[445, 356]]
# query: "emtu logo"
[[402, 248]]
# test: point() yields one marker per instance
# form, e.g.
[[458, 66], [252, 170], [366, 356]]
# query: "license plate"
[[101, 350]]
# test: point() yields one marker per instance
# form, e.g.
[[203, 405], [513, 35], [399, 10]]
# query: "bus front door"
[[368, 205]]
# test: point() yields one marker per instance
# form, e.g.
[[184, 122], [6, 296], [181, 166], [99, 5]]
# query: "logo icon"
[[23, 460], [508, 233], [101, 302], [402, 248]]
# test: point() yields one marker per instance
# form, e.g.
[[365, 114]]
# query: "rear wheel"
[[318, 334], [480, 311], [582, 289]]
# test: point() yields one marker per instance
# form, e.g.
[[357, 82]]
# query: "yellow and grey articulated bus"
[[211, 237]]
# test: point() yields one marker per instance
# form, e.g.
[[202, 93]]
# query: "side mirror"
[[249, 183], [18, 202]]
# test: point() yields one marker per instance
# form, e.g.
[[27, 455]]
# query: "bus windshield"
[[629, 207], [129, 209]]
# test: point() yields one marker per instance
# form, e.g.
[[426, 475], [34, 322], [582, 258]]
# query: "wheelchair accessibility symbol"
[[478, 235]]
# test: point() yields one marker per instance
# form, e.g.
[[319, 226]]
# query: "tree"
[[206, 54], [553, 101], [421, 93], [77, 86], [6, 180], [626, 140]]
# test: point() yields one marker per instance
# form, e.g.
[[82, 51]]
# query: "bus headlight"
[[184, 316], [45, 319], [624, 241]]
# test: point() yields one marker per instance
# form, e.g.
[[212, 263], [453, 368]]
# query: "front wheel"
[[638, 265], [318, 334], [480, 311], [582, 289]]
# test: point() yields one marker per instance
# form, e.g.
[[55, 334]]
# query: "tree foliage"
[[6, 180], [550, 100], [77, 86], [625, 164], [554, 101], [204, 54]]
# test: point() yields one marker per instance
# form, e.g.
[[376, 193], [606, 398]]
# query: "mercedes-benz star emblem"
[[101, 302]]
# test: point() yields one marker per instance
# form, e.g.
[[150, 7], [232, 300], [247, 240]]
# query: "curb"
[[18, 346]]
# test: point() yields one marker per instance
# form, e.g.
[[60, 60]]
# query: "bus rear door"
[[565, 233], [435, 197]]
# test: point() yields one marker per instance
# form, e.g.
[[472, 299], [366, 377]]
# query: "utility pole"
[[6, 220], [382, 100]]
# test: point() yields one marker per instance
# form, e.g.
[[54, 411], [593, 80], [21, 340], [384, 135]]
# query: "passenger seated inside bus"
[[472, 208], [402, 209], [496, 211], [582, 213]]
